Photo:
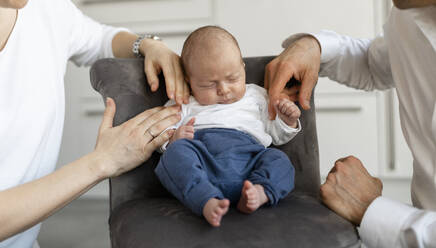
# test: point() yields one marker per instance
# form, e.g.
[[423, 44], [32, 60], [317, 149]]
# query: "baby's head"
[[213, 66]]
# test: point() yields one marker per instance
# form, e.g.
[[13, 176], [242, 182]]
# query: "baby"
[[218, 155]]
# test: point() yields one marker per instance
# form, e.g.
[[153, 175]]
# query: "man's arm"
[[388, 223], [355, 195], [358, 63]]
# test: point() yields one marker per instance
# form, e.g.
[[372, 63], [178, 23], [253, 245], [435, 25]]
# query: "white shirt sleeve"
[[279, 131], [358, 63], [163, 148], [387, 223], [88, 39]]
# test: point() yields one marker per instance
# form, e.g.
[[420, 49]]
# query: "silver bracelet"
[[137, 43]]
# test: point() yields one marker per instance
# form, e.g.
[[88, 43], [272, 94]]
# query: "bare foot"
[[214, 210], [252, 197]]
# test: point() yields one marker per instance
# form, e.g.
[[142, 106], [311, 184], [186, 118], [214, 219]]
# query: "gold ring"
[[149, 132]]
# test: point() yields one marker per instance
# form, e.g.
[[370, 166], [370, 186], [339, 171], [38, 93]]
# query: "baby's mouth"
[[226, 101]]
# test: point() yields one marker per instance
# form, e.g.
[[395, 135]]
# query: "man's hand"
[[158, 57], [288, 112], [184, 132], [300, 60], [350, 189]]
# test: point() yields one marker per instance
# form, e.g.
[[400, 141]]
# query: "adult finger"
[[170, 80], [158, 122], [143, 116], [186, 92], [267, 83], [280, 78], [328, 194], [267, 78], [179, 81], [108, 115], [307, 85], [152, 75], [157, 142]]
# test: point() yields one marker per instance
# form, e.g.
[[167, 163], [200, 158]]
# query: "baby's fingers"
[[191, 122], [189, 129], [294, 112]]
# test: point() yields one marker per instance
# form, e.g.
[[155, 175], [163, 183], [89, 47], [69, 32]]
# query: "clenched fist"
[[288, 112], [350, 189]]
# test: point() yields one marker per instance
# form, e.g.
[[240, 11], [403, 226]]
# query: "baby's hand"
[[184, 132], [288, 112]]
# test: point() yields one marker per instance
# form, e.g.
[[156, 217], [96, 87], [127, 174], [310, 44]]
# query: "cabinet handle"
[[391, 131], [94, 112], [338, 109]]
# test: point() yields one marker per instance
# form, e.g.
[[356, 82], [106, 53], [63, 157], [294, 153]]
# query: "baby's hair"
[[203, 36]]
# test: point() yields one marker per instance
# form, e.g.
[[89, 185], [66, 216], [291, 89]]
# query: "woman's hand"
[[122, 148], [158, 57], [300, 60]]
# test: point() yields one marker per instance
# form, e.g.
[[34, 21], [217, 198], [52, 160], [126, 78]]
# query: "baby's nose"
[[223, 89]]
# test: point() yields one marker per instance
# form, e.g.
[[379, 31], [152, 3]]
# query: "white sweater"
[[249, 115], [405, 58], [32, 102]]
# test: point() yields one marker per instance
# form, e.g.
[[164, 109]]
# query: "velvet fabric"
[[144, 214]]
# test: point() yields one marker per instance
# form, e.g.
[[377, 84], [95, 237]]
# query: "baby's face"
[[218, 77]]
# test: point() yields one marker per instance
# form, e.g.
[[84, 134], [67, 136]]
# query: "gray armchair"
[[144, 214]]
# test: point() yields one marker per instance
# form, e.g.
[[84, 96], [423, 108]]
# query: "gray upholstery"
[[144, 214]]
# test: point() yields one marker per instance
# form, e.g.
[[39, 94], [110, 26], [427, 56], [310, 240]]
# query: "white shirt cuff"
[[381, 225], [327, 40], [163, 148], [286, 128]]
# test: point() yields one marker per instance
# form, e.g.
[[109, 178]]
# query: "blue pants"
[[215, 164]]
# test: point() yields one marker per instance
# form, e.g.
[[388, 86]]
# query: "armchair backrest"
[[124, 81]]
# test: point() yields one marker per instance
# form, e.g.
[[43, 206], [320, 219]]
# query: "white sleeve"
[[387, 223], [88, 39], [358, 63], [279, 131], [183, 114]]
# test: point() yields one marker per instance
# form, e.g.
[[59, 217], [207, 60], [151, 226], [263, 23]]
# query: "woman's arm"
[[88, 41], [119, 149]]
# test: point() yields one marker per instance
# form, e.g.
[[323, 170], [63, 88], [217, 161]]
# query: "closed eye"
[[207, 86]]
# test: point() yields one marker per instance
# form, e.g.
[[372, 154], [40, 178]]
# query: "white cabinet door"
[[401, 164], [347, 125]]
